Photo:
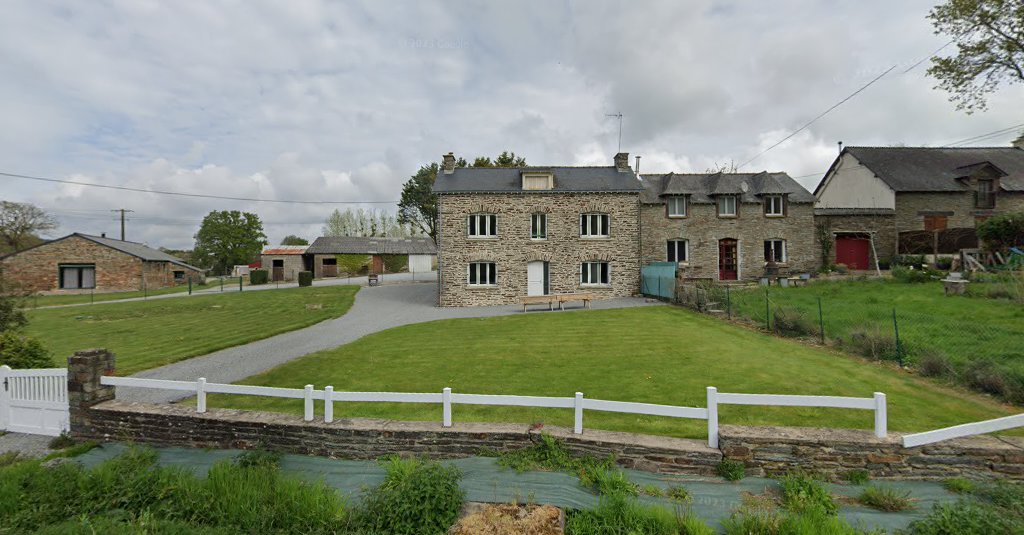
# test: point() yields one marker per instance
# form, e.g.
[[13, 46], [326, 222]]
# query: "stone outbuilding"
[[372, 254], [284, 262], [877, 202], [81, 263], [728, 226]]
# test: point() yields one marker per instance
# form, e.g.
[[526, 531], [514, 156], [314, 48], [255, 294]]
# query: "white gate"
[[34, 401]]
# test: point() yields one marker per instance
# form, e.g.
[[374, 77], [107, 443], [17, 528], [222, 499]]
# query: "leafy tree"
[[21, 224], [364, 223], [418, 205], [11, 316], [292, 239], [19, 351], [989, 35], [1002, 231], [227, 238]]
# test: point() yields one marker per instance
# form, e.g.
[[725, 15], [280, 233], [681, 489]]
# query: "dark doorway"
[[728, 260], [278, 270]]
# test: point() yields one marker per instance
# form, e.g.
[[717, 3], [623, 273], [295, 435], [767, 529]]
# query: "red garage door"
[[854, 251]]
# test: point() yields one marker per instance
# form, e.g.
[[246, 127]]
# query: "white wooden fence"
[[965, 430], [34, 401], [578, 403]]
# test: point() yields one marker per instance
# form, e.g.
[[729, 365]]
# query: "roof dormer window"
[[538, 181]]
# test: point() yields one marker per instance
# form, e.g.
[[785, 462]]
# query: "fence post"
[[712, 417], [190, 285], [201, 394], [578, 416], [328, 404], [896, 330], [239, 283], [881, 415], [767, 313], [446, 407], [5, 371], [307, 396], [821, 322], [728, 303], [222, 283]]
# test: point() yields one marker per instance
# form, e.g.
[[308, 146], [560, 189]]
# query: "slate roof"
[[854, 211], [371, 246], [136, 249], [702, 187], [936, 169], [509, 180], [284, 250]]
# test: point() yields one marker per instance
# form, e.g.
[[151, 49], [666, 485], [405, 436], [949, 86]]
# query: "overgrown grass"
[[147, 334], [886, 498], [730, 470], [621, 515], [985, 508], [802, 492], [958, 485], [857, 476], [416, 498], [628, 355]]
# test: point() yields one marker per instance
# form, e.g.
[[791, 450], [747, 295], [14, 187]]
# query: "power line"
[[822, 114], [183, 194], [987, 135]]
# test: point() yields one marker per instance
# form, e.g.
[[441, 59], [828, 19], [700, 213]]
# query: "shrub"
[[792, 322], [909, 260], [842, 268], [958, 485], [416, 497], [19, 352], [61, 441], [254, 458], [395, 263], [259, 276], [858, 476], [913, 276], [965, 517], [872, 343], [353, 264], [885, 498], [986, 376], [731, 470], [933, 364], [305, 278], [802, 492], [1002, 231]]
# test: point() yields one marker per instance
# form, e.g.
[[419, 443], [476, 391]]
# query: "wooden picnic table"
[[551, 299]]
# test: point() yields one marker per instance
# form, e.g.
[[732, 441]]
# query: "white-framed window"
[[77, 276], [677, 206], [595, 225], [774, 206], [483, 226], [595, 274], [539, 227], [726, 206], [482, 274], [678, 250], [775, 251]]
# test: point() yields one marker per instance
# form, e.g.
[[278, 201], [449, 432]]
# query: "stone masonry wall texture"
[[513, 248], [703, 229]]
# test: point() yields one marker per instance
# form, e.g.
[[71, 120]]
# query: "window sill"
[[584, 285], [727, 216], [482, 286], [676, 217], [538, 239], [595, 238], [482, 238], [775, 216]]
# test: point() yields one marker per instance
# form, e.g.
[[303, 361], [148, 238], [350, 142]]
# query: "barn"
[[333, 256]]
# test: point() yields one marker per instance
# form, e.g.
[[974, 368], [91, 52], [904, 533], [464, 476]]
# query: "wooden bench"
[[550, 300]]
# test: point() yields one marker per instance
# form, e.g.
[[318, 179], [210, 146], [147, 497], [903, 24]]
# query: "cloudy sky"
[[342, 101]]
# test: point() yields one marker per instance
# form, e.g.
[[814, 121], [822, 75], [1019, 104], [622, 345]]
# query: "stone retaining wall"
[[96, 415]]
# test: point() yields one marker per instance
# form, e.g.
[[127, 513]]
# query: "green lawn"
[[36, 301], [657, 355], [147, 334]]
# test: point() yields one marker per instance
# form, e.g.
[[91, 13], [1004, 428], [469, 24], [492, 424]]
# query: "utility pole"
[[122, 210], [619, 115]]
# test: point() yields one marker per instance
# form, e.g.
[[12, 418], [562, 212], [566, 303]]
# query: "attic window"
[[538, 181]]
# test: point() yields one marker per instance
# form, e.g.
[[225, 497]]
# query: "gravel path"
[[26, 445], [375, 309]]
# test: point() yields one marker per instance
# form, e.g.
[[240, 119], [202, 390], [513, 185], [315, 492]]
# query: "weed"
[[258, 458], [934, 364], [965, 517], [958, 485], [731, 470], [61, 441], [857, 477], [679, 493], [73, 451], [607, 481], [885, 498], [620, 515], [9, 457], [416, 497], [792, 322], [802, 492], [653, 490], [871, 342]]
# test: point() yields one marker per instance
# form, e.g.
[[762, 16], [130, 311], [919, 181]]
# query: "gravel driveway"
[[375, 309]]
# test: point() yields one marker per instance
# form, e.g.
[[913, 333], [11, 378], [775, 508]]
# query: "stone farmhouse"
[[728, 226], [504, 233], [874, 200], [80, 263]]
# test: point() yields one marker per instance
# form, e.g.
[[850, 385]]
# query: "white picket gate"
[[34, 401]]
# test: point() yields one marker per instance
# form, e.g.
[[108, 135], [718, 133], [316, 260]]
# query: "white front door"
[[535, 278]]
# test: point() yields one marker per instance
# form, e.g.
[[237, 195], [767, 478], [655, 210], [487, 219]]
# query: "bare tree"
[[21, 224]]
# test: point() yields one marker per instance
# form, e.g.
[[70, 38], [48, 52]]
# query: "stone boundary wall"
[[96, 415]]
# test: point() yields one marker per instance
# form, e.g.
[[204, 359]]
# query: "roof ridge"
[[926, 147]]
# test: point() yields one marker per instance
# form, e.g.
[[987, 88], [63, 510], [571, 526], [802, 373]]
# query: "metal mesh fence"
[[974, 341]]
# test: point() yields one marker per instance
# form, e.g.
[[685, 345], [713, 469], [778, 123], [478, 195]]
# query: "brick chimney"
[[622, 162], [449, 163]]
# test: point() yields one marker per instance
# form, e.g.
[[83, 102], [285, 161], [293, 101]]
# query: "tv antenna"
[[619, 115]]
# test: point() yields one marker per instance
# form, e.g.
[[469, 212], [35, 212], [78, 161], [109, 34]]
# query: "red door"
[[728, 269], [854, 251], [378, 264]]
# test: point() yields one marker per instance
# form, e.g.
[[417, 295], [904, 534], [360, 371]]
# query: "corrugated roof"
[[701, 187], [509, 180], [937, 169], [285, 250], [370, 246]]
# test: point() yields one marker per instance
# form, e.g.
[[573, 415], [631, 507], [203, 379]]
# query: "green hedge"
[[259, 276], [305, 278], [353, 264], [395, 263]]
